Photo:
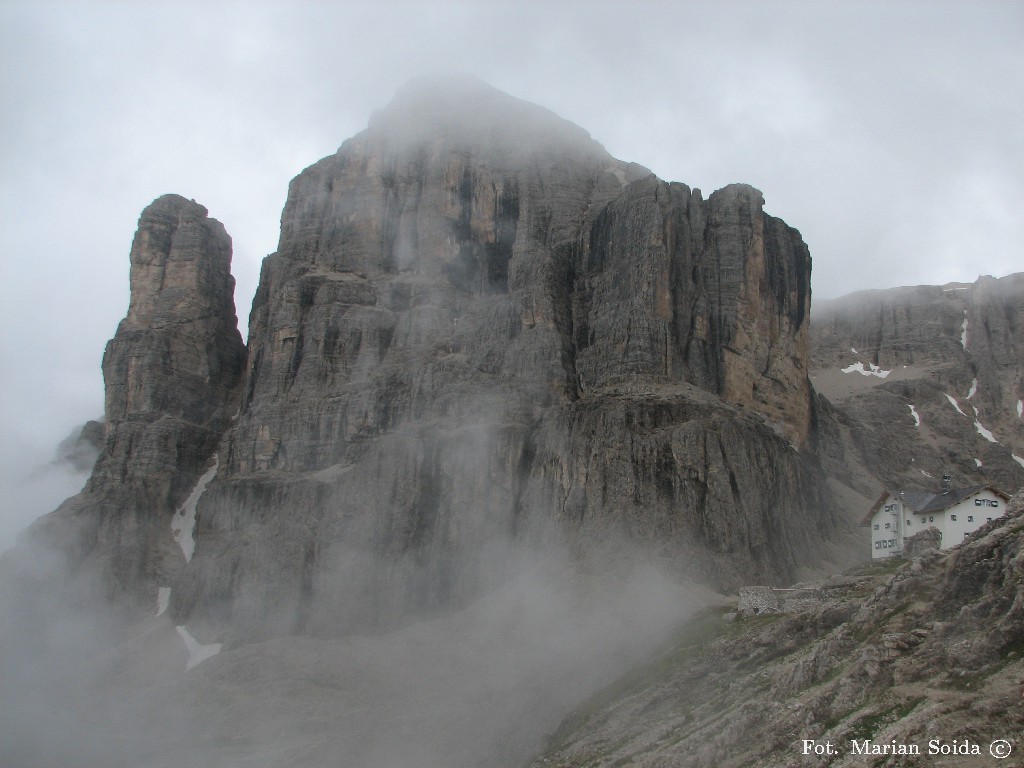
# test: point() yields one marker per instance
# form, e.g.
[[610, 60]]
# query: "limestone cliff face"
[[477, 322], [955, 354], [715, 293], [171, 373]]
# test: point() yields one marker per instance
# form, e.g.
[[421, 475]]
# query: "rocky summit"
[[510, 411], [478, 326]]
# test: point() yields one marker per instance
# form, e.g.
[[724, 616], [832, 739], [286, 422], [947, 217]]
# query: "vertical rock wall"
[[713, 293], [171, 374], [955, 353]]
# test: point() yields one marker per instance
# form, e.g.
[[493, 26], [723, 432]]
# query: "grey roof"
[[940, 501], [917, 500], [925, 502]]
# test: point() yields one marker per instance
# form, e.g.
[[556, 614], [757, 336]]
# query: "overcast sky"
[[890, 134]]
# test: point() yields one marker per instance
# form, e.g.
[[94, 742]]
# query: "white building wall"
[[893, 522], [887, 529], [969, 515], [911, 524]]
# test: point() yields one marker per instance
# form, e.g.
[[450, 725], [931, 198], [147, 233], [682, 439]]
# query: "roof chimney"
[[946, 480]]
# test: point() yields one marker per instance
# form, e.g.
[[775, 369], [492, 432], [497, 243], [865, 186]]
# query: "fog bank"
[[485, 685]]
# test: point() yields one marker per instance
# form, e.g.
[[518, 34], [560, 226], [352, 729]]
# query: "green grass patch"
[[869, 726]]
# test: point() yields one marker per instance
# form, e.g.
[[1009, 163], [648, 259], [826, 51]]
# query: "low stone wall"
[[755, 601]]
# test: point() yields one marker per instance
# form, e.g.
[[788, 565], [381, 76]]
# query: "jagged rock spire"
[[178, 351], [171, 372]]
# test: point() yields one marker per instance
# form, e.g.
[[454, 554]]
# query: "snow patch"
[[197, 652], [854, 351], [924, 473], [859, 368], [1020, 409], [974, 389], [955, 404], [978, 462], [984, 432], [917, 417], [963, 332], [163, 599], [1018, 459], [183, 524]]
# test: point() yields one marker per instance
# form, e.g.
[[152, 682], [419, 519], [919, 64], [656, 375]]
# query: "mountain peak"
[[465, 110], [448, 86]]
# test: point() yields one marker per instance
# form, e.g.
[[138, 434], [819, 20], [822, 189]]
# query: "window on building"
[[923, 521], [994, 504], [876, 526], [908, 521], [953, 518], [970, 518], [878, 544], [888, 526], [989, 519], [931, 518]]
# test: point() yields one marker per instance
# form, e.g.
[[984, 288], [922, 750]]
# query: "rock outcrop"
[[171, 374], [922, 382], [929, 653], [921, 542]]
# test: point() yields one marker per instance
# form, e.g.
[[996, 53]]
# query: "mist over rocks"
[[80, 449]]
